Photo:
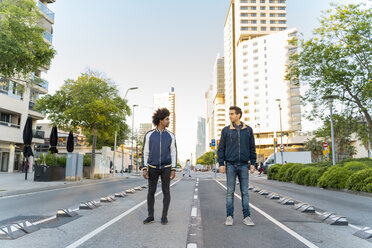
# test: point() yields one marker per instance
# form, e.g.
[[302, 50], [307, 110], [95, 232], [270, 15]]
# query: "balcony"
[[37, 134], [8, 124], [46, 11], [40, 82], [48, 36]]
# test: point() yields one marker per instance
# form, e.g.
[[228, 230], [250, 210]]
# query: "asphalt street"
[[196, 217]]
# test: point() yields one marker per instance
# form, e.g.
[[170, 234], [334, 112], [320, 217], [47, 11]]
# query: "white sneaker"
[[229, 221], [248, 221]]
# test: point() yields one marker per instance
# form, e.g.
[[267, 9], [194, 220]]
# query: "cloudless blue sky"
[[154, 45]]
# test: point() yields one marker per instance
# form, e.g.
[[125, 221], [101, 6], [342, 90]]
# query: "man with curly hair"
[[160, 160]]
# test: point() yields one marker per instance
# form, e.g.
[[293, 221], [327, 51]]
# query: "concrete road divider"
[[96, 203], [66, 213], [113, 198], [256, 190], [138, 188], [27, 226], [87, 205], [11, 232], [273, 196], [106, 199], [250, 188], [286, 201], [337, 220], [365, 233], [263, 192], [120, 195], [144, 186]]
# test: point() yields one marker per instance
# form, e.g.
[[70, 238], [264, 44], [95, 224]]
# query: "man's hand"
[[222, 169], [145, 174], [252, 169], [172, 175]]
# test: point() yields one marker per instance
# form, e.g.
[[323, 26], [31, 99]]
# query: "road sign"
[[325, 145], [281, 146], [122, 147], [213, 142]]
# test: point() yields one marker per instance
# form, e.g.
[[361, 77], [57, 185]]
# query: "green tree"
[[337, 61], [315, 146], [91, 102], [206, 159], [344, 126], [23, 49]]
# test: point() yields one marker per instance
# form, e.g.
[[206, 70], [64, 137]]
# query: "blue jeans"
[[240, 170]]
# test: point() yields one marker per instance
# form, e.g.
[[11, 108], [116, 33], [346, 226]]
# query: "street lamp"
[[133, 88], [135, 105], [330, 99], [259, 141], [281, 129]]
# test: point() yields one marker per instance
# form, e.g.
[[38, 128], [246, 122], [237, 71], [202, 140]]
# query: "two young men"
[[236, 150], [160, 160]]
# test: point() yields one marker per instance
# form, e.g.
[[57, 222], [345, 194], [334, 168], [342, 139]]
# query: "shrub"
[[366, 161], [312, 178], [368, 185], [288, 177], [87, 160], [283, 170], [300, 176], [272, 172], [335, 177], [50, 159], [355, 166], [41, 159], [61, 161], [357, 181]]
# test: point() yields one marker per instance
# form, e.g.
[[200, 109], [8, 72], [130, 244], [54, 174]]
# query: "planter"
[[44, 173]]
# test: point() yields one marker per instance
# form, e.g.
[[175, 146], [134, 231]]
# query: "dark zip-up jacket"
[[159, 149], [237, 146]]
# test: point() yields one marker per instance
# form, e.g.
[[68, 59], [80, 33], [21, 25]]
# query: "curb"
[[20, 192]]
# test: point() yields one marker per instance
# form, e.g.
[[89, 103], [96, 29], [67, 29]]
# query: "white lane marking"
[[192, 245], [107, 224], [194, 212], [197, 179], [45, 220], [196, 190], [279, 224], [195, 197], [355, 227], [51, 190]]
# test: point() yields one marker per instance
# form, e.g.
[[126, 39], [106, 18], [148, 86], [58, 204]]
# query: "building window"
[[263, 14], [282, 29], [244, 28], [272, 29], [243, 14], [263, 28], [282, 22], [244, 21], [272, 15], [281, 15], [263, 8], [281, 8], [272, 8], [263, 1], [272, 21], [263, 21]]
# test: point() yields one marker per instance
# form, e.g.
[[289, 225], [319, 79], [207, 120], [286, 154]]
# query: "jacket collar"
[[233, 128], [158, 130]]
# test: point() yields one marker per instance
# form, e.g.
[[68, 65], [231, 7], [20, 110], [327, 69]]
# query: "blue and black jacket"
[[237, 146], [159, 149]]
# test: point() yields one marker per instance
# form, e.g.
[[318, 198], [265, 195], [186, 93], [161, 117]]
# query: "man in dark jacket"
[[237, 149], [160, 160]]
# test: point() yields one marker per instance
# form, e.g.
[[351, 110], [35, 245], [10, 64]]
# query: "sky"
[[154, 45]]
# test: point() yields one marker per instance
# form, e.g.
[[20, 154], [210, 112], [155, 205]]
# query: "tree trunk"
[[93, 161]]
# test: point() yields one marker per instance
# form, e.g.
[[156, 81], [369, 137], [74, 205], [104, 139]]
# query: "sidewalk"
[[15, 183]]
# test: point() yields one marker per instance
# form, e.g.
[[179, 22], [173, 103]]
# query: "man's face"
[[233, 116], [165, 122]]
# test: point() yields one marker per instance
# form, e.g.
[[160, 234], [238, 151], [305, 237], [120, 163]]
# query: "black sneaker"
[[164, 220], [148, 220]]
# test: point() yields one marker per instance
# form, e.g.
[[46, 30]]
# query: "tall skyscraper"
[[219, 97], [167, 100], [200, 138], [246, 20], [144, 128], [17, 104]]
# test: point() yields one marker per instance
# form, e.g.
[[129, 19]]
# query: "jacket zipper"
[[160, 151], [239, 144]]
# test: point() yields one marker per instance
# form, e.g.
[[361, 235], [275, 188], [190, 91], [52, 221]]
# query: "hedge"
[[283, 171], [300, 176], [272, 172], [292, 171]]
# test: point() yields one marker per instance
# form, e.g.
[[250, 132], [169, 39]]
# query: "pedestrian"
[[235, 151], [160, 160], [261, 168], [188, 167]]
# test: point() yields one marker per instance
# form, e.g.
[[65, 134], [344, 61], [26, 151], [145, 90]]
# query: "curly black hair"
[[159, 115]]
